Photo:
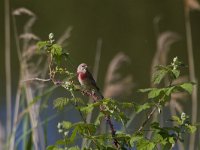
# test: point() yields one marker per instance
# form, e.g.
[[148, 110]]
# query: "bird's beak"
[[85, 67]]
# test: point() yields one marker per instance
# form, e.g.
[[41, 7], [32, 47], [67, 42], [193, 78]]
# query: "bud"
[[66, 133], [51, 36], [175, 59], [183, 116], [60, 130], [59, 125]]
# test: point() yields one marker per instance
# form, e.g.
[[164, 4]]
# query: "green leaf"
[[73, 135], [155, 125], [145, 145], [56, 50], [157, 138], [135, 138], [139, 108], [191, 128], [120, 116], [171, 140], [168, 91], [154, 93], [187, 87], [74, 148], [60, 103], [53, 147], [87, 109], [60, 142], [66, 125], [177, 120], [99, 118], [145, 90], [42, 45], [159, 75], [176, 73], [127, 105]]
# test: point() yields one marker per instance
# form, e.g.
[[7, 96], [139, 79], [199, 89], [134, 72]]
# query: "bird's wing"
[[92, 81]]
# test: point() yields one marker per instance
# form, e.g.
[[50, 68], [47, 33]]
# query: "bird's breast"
[[82, 76]]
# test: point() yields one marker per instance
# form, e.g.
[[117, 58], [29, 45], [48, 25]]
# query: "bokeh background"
[[143, 32]]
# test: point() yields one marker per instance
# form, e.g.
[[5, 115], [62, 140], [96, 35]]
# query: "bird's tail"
[[101, 95]]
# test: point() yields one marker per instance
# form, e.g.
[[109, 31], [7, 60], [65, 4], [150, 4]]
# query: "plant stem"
[[191, 71], [148, 118], [113, 131], [76, 106], [8, 67], [14, 128]]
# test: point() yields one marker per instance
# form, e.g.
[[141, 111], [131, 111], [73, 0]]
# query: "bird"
[[87, 81]]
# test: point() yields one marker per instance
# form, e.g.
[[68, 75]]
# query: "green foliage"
[[164, 136], [158, 93], [55, 50], [171, 71], [140, 108], [60, 103]]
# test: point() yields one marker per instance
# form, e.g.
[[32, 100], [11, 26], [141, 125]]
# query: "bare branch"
[[37, 79]]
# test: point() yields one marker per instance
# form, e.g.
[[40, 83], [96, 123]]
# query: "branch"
[[148, 118], [113, 131], [36, 79]]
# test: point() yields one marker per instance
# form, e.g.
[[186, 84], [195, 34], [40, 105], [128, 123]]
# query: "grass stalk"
[[95, 75], [191, 72], [14, 128], [8, 68]]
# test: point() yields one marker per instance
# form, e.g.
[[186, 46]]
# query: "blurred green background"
[[123, 25]]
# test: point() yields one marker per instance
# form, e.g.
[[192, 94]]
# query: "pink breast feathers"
[[82, 76]]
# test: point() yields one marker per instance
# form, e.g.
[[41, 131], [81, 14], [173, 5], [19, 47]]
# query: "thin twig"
[[36, 79], [113, 131], [76, 106], [148, 118]]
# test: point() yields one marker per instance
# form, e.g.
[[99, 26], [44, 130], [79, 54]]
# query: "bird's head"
[[82, 68]]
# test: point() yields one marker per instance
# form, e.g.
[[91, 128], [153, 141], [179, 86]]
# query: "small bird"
[[87, 81]]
